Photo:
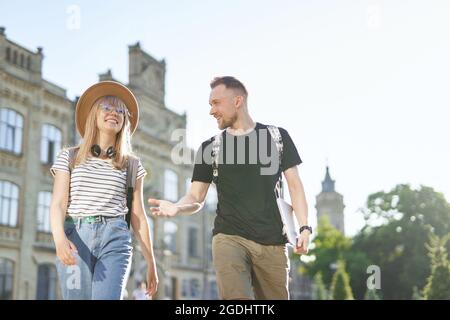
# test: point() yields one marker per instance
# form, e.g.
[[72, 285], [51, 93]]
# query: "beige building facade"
[[36, 121]]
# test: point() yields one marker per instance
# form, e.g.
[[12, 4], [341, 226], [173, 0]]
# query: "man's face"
[[223, 104]]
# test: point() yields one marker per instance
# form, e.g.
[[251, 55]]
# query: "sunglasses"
[[109, 108]]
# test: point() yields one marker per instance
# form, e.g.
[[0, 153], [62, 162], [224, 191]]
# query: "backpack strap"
[[132, 167], [72, 156], [276, 136], [217, 141]]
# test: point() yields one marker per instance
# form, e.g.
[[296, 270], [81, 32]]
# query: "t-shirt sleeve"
[[141, 172], [203, 171], [61, 163], [291, 157]]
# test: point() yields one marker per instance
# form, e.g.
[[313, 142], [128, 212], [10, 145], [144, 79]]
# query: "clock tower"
[[330, 203]]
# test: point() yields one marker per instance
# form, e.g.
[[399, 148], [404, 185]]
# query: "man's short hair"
[[230, 83]]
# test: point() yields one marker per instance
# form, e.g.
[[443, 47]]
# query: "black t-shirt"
[[246, 200]]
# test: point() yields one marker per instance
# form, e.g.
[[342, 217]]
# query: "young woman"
[[89, 205]]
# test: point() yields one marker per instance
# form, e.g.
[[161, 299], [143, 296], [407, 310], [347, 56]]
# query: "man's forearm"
[[301, 210], [299, 204]]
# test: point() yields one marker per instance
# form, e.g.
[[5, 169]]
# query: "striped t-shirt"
[[96, 187]]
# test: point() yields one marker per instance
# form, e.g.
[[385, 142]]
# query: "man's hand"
[[302, 243], [164, 208]]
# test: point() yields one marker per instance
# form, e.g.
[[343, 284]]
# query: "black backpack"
[[132, 166]]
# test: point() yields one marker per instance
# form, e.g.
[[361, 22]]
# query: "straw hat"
[[101, 89]]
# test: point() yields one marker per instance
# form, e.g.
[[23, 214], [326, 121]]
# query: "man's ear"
[[239, 100]]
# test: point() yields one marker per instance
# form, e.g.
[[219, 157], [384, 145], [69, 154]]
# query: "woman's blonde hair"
[[123, 137]]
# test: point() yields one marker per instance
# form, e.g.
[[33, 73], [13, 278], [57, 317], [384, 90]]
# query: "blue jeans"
[[103, 260]]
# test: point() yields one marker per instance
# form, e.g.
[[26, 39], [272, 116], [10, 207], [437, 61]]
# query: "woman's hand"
[[152, 279], [65, 250]]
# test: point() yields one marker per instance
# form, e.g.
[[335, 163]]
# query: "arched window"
[[50, 143], [11, 126], [6, 279], [9, 201]]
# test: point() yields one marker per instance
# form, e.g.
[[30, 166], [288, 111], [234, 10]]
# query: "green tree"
[[371, 294], [417, 295], [329, 245], [398, 224], [438, 284], [340, 285], [319, 289]]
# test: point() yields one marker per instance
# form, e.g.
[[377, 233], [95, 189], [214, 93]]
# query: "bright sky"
[[364, 84]]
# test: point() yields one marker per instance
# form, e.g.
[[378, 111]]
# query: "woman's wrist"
[[58, 234], [151, 264], [150, 258]]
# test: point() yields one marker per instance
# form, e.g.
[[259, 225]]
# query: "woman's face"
[[110, 118]]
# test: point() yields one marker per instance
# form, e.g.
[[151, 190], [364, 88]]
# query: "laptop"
[[290, 223]]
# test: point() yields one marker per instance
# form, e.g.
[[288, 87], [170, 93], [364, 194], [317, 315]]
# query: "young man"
[[249, 248]]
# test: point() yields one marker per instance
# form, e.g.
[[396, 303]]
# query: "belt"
[[90, 219]]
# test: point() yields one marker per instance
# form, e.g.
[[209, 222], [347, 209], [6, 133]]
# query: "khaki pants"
[[248, 270]]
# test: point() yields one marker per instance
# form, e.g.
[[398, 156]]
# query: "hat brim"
[[101, 89]]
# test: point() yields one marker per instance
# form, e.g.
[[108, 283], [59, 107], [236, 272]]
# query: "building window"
[[170, 235], [208, 246], [195, 288], [185, 288], [173, 294], [6, 279], [29, 63], [188, 184], [191, 288], [15, 57], [22, 60], [9, 200], [50, 143], [8, 54], [43, 211], [46, 286], [170, 185], [151, 225], [193, 242], [11, 126], [213, 290]]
